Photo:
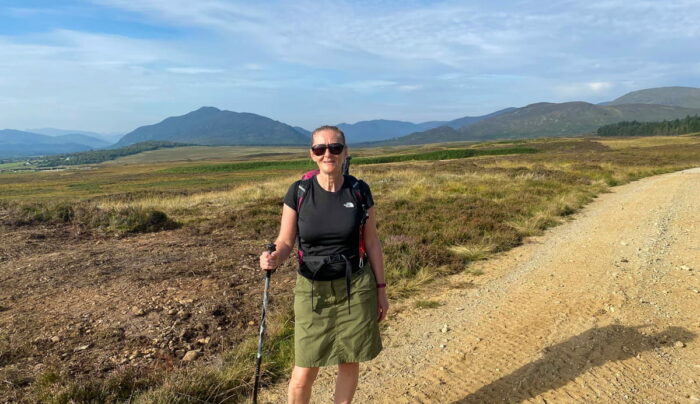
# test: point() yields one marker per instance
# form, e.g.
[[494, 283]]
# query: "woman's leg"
[[300, 385], [346, 383]]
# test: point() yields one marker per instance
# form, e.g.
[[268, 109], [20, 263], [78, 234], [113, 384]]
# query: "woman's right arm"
[[285, 240]]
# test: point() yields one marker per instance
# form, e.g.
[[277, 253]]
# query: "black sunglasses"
[[320, 149]]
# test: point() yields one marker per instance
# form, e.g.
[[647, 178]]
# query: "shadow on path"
[[565, 361]]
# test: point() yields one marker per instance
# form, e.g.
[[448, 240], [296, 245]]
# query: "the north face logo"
[[349, 205]]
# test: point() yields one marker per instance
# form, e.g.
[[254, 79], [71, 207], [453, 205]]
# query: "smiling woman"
[[340, 293]]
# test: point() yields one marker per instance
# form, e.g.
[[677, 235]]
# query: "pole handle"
[[271, 247]]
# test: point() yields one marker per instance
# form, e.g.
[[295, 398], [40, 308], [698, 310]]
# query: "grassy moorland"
[[436, 215]]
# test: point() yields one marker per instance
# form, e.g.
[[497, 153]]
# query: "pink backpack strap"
[[310, 174]]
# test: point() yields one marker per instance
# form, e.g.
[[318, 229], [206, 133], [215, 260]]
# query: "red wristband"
[[381, 285]]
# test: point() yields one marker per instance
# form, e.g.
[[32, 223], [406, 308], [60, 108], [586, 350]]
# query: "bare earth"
[[603, 309]]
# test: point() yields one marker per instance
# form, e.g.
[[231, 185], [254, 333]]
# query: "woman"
[[338, 301]]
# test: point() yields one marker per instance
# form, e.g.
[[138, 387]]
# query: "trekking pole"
[[270, 248]]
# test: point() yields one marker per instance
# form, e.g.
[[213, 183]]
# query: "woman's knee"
[[303, 377]]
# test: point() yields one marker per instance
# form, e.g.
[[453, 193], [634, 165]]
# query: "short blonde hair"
[[328, 127]]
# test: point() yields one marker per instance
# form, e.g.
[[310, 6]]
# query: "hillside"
[[688, 97], [548, 119], [214, 127]]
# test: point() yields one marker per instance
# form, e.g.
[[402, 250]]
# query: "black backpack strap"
[[299, 196], [359, 194]]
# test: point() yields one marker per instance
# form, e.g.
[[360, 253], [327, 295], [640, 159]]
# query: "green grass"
[[449, 154], [12, 166], [306, 164]]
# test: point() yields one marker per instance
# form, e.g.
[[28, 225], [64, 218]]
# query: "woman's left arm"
[[376, 259]]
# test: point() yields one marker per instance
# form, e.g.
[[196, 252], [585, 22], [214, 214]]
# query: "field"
[[101, 298]]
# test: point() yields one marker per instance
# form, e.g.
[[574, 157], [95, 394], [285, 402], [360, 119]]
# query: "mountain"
[[379, 129], [15, 143], [77, 138], [468, 120], [435, 135], [547, 119], [688, 97], [109, 138], [303, 131], [214, 127], [382, 129]]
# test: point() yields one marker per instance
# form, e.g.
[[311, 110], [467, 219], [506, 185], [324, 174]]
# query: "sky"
[[113, 65]]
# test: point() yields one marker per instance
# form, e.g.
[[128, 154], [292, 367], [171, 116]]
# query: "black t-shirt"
[[329, 222]]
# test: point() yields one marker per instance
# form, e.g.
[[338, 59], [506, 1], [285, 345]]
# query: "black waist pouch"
[[327, 267]]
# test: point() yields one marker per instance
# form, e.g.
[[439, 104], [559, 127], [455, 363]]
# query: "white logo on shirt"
[[349, 205]]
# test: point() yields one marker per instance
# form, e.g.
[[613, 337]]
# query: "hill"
[[688, 97], [109, 138], [547, 119], [16, 143], [214, 127]]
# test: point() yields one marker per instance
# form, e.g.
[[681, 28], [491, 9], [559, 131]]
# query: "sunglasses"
[[320, 149]]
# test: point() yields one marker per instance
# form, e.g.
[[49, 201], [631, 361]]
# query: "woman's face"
[[328, 163]]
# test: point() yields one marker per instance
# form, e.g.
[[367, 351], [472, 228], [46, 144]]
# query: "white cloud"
[[599, 86], [410, 87], [468, 56], [583, 91]]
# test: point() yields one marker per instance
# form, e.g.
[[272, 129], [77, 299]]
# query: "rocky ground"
[[87, 306], [603, 309]]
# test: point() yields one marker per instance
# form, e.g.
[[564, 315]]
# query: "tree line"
[[689, 124], [98, 156]]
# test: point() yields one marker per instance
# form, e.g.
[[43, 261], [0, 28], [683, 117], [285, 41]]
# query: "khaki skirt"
[[326, 334]]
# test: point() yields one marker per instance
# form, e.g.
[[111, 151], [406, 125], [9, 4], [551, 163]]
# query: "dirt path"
[[603, 309]]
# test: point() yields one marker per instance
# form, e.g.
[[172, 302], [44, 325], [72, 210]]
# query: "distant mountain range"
[[109, 138], [212, 126], [16, 143], [565, 119], [381, 129]]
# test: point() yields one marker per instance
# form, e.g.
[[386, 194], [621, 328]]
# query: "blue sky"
[[114, 65]]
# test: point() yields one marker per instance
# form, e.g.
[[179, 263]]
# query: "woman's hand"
[[382, 304], [268, 261]]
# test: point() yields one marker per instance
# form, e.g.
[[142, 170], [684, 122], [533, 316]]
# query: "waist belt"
[[311, 268]]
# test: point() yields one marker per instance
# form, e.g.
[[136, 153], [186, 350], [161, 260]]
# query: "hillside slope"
[[688, 97]]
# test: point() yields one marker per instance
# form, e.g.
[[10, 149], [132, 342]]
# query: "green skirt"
[[326, 334]]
